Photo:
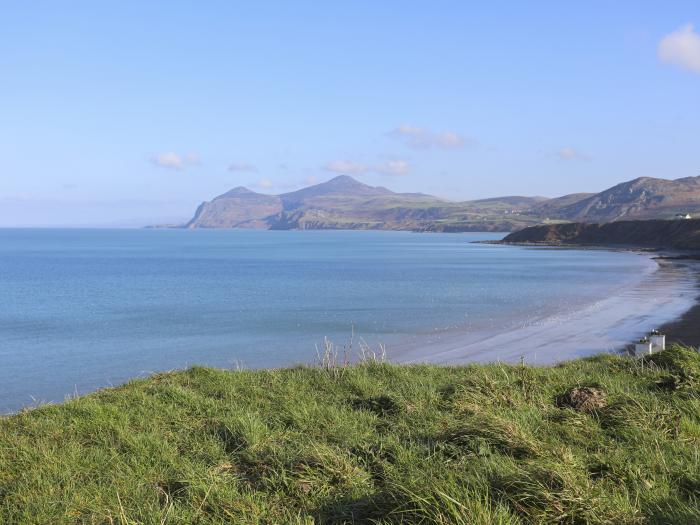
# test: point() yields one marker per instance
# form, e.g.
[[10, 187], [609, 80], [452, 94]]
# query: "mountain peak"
[[341, 185], [343, 182], [342, 177], [345, 179], [237, 191]]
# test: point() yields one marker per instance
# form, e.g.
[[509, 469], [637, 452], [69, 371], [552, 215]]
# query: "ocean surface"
[[84, 309]]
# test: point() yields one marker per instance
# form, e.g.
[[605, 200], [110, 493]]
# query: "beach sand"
[[666, 299]]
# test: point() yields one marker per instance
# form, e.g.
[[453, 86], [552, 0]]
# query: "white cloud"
[[450, 140], [413, 137], [389, 167], [569, 153], [393, 167], [421, 138], [174, 160], [681, 48], [346, 167], [265, 184], [243, 167]]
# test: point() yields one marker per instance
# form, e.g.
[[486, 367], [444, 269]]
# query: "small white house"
[[683, 216], [658, 341], [643, 347]]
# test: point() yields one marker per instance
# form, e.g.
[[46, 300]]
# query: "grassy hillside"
[[372, 443]]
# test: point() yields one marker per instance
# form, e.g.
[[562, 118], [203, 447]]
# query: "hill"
[[642, 198], [601, 440], [676, 234], [345, 203]]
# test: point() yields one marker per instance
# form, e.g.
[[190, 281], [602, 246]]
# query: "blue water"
[[82, 309]]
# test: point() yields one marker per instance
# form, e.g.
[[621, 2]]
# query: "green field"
[[370, 443]]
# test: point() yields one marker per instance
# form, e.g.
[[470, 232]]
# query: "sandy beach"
[[666, 299]]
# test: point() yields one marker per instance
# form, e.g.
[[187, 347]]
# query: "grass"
[[370, 443]]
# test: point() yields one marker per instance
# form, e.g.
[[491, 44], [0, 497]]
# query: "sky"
[[120, 114]]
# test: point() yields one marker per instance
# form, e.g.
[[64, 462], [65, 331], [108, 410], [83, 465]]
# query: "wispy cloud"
[[393, 167], [681, 48], [421, 138], [175, 161], [347, 167], [265, 184], [242, 167], [569, 153]]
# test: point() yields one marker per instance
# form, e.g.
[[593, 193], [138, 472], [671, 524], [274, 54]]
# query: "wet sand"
[[686, 329], [666, 299]]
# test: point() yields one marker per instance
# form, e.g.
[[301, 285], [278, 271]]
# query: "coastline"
[[667, 299], [685, 330]]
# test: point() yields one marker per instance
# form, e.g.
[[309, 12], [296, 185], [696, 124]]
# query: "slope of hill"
[[642, 198], [675, 234], [552, 207], [238, 208], [602, 440]]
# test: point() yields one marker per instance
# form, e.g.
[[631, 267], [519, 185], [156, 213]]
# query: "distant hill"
[[682, 234], [345, 203]]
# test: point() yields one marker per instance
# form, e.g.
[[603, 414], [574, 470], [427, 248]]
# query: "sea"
[[82, 309]]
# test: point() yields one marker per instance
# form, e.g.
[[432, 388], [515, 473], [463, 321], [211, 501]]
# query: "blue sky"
[[127, 113]]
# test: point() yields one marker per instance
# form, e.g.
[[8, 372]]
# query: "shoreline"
[[685, 329], [667, 299]]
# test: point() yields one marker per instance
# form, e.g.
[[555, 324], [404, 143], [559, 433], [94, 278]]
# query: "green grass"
[[371, 443]]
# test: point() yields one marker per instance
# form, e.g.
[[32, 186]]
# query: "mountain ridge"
[[345, 203]]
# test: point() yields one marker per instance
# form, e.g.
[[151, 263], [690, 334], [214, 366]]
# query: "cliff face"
[[676, 234]]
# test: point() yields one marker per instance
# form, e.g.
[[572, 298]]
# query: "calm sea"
[[82, 309]]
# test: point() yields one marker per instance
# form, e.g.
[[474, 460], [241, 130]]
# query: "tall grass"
[[366, 442]]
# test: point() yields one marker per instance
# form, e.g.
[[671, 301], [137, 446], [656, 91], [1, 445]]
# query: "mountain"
[[345, 203], [676, 234]]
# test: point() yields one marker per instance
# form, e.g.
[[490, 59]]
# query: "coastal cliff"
[[677, 234]]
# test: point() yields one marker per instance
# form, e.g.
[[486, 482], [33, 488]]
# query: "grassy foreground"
[[372, 443]]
